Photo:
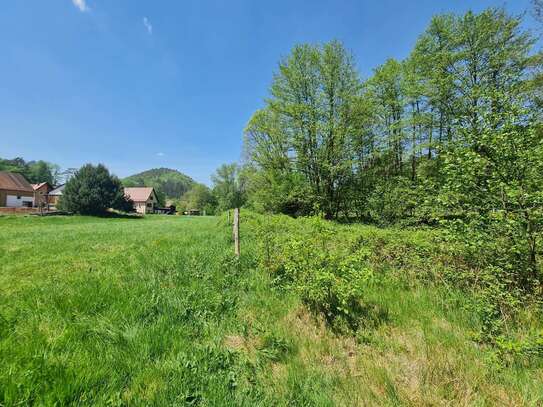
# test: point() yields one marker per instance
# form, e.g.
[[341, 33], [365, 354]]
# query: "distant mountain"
[[171, 183]]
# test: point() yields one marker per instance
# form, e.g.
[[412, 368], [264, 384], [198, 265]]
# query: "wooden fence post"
[[236, 232]]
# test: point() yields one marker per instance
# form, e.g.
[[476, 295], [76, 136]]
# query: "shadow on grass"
[[51, 213], [360, 316], [107, 215], [116, 215]]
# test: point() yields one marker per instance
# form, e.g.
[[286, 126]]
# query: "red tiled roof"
[[14, 182], [138, 194]]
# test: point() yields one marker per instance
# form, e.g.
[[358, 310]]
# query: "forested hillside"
[[171, 183]]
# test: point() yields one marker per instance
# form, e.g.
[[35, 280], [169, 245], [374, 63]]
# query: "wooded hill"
[[169, 182]]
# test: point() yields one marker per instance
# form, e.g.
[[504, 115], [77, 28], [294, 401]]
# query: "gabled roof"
[[38, 186], [139, 194], [14, 182], [58, 190]]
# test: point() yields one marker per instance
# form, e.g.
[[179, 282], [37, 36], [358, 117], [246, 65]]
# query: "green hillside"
[[171, 183]]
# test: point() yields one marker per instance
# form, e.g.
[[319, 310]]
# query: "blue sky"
[[172, 83]]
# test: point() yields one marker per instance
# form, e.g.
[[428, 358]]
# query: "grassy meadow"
[[156, 311]]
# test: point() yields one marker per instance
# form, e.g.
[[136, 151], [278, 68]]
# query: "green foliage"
[[168, 183], [92, 190], [333, 267], [328, 282], [157, 311], [14, 165], [198, 197], [278, 193], [376, 150], [329, 275], [495, 183], [306, 129], [229, 186], [397, 201], [449, 137], [34, 171]]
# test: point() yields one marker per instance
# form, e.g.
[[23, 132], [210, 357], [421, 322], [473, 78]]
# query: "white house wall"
[[13, 201]]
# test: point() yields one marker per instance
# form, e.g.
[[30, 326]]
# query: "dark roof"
[[58, 190], [14, 182]]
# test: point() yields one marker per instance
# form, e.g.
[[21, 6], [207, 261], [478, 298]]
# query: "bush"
[[278, 193], [331, 266], [93, 190], [328, 275], [400, 201]]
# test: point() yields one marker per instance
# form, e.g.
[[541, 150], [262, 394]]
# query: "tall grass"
[[157, 311]]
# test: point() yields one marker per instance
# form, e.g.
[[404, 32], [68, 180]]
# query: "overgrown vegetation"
[[156, 310], [330, 266], [330, 143], [451, 137], [452, 131]]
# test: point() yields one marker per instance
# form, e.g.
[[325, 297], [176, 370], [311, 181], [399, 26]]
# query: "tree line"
[[328, 142], [36, 171], [452, 135]]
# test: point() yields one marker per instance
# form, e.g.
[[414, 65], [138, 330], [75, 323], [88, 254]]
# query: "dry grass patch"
[[407, 365], [318, 346]]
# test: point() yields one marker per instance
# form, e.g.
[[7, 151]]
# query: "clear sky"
[[140, 84]]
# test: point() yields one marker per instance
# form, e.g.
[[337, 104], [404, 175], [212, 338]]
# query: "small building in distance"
[[54, 195], [15, 190], [41, 192], [168, 210], [193, 212], [145, 199]]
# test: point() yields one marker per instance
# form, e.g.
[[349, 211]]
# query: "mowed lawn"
[[156, 311]]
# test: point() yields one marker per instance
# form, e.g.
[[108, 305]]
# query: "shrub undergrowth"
[[330, 266]]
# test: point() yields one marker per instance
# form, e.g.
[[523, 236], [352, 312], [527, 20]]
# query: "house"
[[15, 190], [41, 191], [145, 199], [54, 195], [168, 210]]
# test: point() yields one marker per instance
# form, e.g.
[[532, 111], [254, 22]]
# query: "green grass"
[[98, 311]]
